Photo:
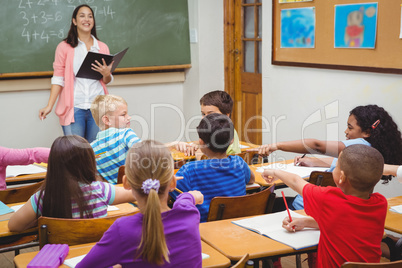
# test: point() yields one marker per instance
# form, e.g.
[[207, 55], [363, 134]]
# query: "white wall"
[[296, 93], [173, 104]]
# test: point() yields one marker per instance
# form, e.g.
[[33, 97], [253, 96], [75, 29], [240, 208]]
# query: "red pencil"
[[286, 204]]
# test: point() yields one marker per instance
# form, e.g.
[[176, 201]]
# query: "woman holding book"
[[75, 94]]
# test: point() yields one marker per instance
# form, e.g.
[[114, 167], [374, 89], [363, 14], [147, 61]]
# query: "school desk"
[[260, 180], [22, 179], [393, 221], [6, 235], [215, 259], [234, 241]]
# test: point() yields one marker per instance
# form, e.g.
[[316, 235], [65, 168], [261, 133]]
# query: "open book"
[[302, 171], [270, 225], [13, 171], [86, 71]]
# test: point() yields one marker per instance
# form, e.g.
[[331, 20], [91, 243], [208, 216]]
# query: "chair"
[[242, 262], [74, 231], [322, 178], [395, 264], [19, 194], [120, 174], [222, 208]]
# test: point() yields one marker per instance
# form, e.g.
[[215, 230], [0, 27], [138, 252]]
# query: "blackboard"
[[156, 32], [384, 58]]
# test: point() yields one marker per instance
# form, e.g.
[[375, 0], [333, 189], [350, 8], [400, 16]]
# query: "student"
[[115, 138], [158, 236], [220, 102], [369, 125], [75, 93], [70, 189], [12, 157], [350, 218], [220, 175]]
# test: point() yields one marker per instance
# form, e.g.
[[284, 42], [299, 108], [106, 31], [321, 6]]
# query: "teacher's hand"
[[102, 68], [44, 112]]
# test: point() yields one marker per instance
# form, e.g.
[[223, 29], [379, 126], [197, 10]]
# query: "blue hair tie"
[[149, 184]]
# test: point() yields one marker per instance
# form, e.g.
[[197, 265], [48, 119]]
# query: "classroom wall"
[[159, 111], [297, 97]]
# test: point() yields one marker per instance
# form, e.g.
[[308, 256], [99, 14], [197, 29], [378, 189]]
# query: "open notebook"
[[13, 171], [270, 225], [302, 171]]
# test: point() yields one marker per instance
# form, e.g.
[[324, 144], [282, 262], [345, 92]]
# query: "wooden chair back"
[[322, 178], [394, 264], [120, 174], [74, 231], [222, 208], [242, 262], [19, 194]]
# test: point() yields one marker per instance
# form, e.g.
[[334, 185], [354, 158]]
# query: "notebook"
[[302, 171], [13, 171], [270, 225]]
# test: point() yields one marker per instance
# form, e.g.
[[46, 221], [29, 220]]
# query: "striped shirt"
[[98, 195], [112, 145], [214, 177]]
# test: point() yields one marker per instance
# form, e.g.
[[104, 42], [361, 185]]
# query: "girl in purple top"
[[158, 236], [70, 189]]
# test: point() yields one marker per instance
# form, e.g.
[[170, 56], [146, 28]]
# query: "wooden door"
[[243, 62]]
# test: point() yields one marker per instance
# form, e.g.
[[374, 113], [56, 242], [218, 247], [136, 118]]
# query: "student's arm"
[[23, 219], [313, 161], [25, 156], [252, 177], [307, 146], [391, 169], [298, 224], [54, 93], [122, 196], [188, 148], [198, 197], [292, 180]]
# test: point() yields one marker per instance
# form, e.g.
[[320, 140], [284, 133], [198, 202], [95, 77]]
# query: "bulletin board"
[[386, 57]]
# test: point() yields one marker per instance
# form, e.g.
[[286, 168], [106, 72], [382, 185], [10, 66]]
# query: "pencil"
[[298, 163], [100, 153], [287, 208], [179, 191]]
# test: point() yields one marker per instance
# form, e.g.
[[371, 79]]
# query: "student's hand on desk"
[[198, 196], [304, 161], [297, 224], [187, 148], [269, 175]]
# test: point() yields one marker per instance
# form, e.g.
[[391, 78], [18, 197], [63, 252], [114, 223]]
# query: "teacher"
[[76, 94]]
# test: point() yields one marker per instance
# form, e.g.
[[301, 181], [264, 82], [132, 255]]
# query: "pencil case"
[[50, 256]]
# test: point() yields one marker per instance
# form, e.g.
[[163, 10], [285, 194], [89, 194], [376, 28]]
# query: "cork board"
[[386, 57]]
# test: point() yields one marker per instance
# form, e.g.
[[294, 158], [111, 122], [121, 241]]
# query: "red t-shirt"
[[351, 228]]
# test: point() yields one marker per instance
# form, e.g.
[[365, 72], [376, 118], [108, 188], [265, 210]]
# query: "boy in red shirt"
[[350, 218]]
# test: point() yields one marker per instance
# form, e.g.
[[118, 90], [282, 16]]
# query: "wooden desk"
[[215, 259], [393, 221], [26, 178], [234, 241], [258, 177]]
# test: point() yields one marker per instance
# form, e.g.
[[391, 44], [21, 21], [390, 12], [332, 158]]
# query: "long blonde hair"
[[151, 160]]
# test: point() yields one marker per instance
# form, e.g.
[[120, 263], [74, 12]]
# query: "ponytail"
[[153, 246]]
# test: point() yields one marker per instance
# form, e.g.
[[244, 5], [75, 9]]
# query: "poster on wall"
[[298, 27], [356, 25], [293, 1]]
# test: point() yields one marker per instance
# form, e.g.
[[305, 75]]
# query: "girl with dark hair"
[[70, 189], [76, 94]]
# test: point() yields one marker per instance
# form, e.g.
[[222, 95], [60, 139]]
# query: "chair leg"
[[298, 261]]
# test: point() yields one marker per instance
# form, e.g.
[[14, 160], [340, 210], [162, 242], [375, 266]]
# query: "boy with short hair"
[[115, 138], [350, 218], [220, 102], [220, 174]]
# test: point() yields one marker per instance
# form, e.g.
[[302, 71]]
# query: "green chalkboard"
[[156, 32]]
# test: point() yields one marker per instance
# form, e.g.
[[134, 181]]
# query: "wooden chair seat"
[[241, 206], [74, 231], [394, 264], [19, 194]]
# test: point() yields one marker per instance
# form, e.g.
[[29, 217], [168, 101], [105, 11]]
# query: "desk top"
[[215, 259], [234, 241], [258, 177], [393, 221], [5, 232]]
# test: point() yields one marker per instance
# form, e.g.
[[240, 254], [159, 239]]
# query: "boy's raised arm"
[[292, 180]]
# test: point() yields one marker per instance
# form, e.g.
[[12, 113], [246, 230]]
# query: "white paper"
[[270, 225], [302, 171], [12, 171], [74, 261], [397, 209], [204, 256], [17, 207], [112, 208]]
